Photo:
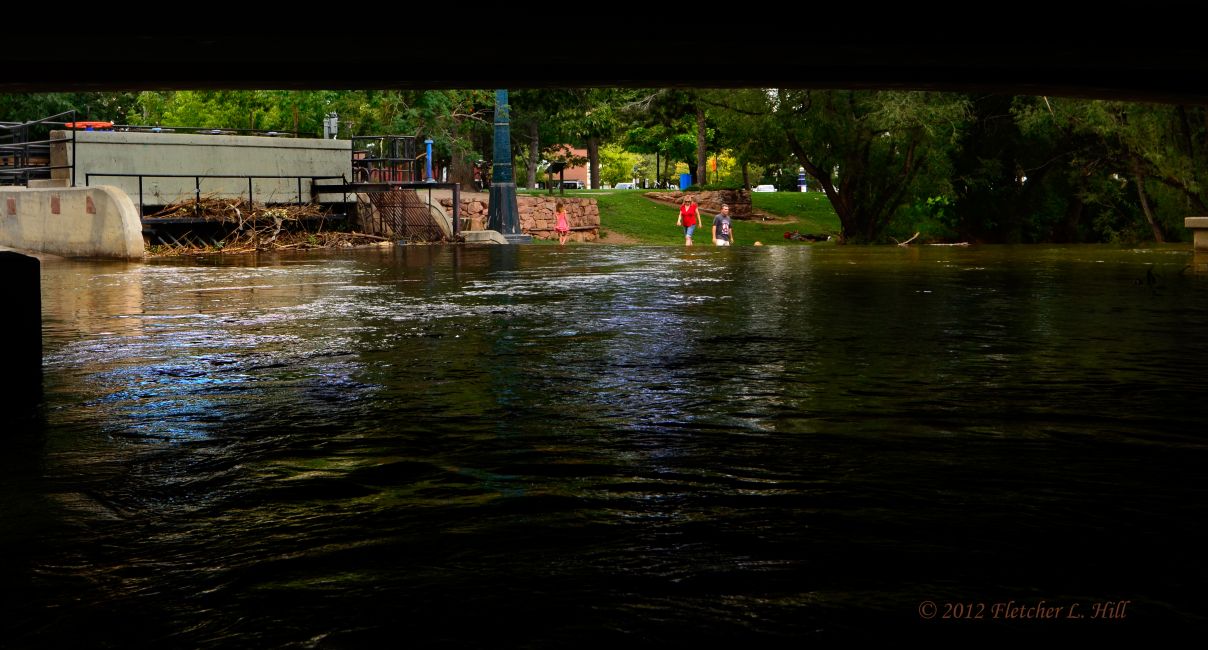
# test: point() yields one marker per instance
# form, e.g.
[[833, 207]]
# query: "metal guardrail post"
[[196, 196]]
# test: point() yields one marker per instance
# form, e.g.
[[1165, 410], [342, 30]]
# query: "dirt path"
[[770, 219]]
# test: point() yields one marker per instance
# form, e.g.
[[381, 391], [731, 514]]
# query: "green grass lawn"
[[812, 210], [631, 216]]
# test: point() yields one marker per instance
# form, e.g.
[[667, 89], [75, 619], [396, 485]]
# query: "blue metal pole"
[[429, 178], [503, 215]]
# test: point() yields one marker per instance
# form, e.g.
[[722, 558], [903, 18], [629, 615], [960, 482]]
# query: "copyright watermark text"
[[1024, 610]]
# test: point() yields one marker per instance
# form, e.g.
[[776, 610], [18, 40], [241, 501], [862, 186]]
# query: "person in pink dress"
[[562, 225]]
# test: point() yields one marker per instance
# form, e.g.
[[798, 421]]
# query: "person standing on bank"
[[688, 218], [562, 225], [723, 234]]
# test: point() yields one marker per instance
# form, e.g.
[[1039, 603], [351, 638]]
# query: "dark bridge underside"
[[1113, 66]]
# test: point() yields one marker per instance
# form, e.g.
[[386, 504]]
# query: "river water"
[[605, 446]]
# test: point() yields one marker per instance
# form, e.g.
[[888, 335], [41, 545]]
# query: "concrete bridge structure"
[[92, 206], [1149, 55]]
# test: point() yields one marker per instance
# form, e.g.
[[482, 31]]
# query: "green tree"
[[116, 107], [752, 136], [672, 114], [616, 164], [1007, 185], [458, 121], [594, 116], [300, 111], [1137, 166], [873, 153], [533, 114], [668, 143]]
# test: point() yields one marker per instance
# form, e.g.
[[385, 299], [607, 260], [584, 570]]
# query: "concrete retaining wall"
[[1199, 229], [73, 222], [114, 152]]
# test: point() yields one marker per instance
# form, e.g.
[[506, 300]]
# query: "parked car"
[[764, 188], [572, 185], [623, 186]]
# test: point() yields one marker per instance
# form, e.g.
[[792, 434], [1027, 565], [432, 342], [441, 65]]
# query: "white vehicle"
[[764, 188], [623, 186]]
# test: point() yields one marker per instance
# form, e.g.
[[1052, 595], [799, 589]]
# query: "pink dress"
[[563, 225]]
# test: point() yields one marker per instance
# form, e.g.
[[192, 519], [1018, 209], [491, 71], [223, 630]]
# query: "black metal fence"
[[25, 149], [201, 130], [402, 210], [385, 159], [315, 187]]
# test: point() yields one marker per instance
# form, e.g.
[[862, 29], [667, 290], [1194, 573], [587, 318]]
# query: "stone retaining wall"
[[710, 201], [536, 214]]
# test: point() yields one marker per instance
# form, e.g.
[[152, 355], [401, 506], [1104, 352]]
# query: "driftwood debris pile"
[[916, 236], [235, 226]]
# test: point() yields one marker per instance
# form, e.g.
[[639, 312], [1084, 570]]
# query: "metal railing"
[[23, 159], [381, 194], [385, 158], [200, 130], [315, 188]]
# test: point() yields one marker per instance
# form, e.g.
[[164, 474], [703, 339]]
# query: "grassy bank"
[[628, 216]]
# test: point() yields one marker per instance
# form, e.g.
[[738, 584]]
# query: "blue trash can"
[[685, 181]]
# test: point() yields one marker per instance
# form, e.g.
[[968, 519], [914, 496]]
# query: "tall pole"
[[502, 214], [428, 160]]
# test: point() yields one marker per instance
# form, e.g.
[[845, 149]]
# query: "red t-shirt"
[[688, 214]]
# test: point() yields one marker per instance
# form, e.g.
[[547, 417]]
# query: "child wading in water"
[[563, 224]]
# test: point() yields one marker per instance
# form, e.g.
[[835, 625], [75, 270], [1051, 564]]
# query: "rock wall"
[[710, 201], [536, 214]]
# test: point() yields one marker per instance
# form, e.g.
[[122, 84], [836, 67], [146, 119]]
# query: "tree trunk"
[[593, 161], [1139, 179], [1069, 228], [534, 155], [837, 200], [700, 146], [746, 176], [460, 170]]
